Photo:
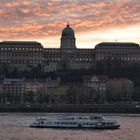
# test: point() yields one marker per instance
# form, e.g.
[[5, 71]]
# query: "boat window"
[[103, 123], [97, 117], [112, 123]]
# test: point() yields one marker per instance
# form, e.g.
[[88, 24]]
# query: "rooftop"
[[117, 44], [20, 44]]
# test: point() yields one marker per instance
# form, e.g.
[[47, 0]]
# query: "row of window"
[[13, 87], [83, 59], [40, 61], [32, 49], [20, 57], [118, 58], [20, 61], [51, 50], [115, 55], [53, 59], [78, 59], [21, 86], [66, 123], [84, 56], [74, 123], [13, 91], [21, 53], [50, 56], [38, 53]]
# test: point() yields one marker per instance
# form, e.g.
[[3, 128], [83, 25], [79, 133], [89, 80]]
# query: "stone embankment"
[[75, 108]]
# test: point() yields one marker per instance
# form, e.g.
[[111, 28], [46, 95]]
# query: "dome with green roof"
[[68, 32]]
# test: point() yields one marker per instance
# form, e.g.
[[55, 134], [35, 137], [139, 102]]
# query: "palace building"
[[21, 54], [68, 56], [28, 54], [119, 51]]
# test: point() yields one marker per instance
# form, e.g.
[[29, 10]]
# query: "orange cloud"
[[25, 10], [42, 19]]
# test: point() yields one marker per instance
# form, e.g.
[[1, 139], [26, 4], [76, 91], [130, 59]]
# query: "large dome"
[[68, 32]]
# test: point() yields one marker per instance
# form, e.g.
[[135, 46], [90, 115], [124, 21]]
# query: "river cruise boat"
[[89, 122]]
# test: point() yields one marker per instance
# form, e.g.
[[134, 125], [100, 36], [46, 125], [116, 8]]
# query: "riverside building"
[[20, 90], [27, 54]]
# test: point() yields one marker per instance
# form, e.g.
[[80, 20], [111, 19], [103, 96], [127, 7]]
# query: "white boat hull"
[[79, 123]]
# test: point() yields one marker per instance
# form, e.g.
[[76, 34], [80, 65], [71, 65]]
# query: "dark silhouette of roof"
[[117, 44], [25, 44]]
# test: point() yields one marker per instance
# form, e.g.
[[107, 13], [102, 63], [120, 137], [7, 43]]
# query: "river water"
[[15, 126]]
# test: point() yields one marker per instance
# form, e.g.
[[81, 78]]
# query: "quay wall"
[[75, 108]]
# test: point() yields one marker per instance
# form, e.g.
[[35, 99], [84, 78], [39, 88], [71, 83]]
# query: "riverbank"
[[86, 108]]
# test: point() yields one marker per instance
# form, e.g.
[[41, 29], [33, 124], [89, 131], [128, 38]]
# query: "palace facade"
[[118, 51], [28, 54]]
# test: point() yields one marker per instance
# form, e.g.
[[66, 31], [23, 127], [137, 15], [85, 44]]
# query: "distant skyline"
[[93, 21]]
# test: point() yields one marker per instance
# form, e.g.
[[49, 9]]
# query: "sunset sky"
[[93, 21]]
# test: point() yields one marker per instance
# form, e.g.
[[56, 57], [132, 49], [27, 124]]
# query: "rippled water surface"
[[15, 126]]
